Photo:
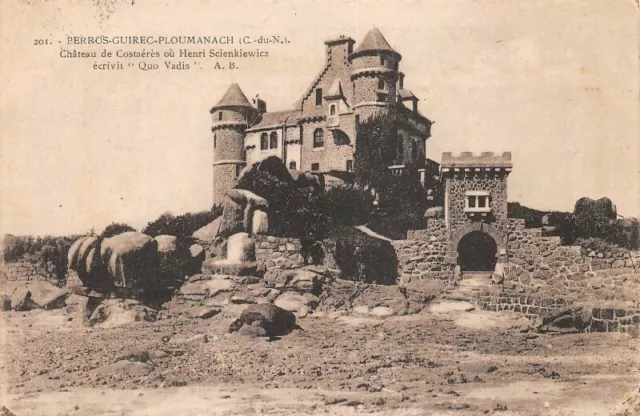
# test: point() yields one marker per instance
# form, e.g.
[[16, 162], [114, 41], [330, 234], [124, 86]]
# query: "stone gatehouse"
[[473, 231]]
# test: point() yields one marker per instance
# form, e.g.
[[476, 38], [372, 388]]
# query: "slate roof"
[[374, 41], [234, 97], [276, 119]]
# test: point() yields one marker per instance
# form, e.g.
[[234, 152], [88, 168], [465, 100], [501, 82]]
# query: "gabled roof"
[[406, 94], [275, 119], [336, 90], [234, 97], [374, 41]]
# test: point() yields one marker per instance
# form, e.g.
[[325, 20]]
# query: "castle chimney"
[[400, 81]]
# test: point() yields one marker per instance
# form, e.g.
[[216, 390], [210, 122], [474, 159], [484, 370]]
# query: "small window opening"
[[264, 141], [318, 96], [315, 167], [273, 140]]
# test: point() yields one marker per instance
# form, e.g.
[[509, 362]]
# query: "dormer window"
[[477, 202]]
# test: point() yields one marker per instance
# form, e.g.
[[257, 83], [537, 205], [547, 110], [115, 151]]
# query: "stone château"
[[319, 133]]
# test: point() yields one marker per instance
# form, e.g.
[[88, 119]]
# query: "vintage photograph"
[[320, 207]]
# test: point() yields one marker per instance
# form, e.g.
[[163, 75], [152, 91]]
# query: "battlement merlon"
[[484, 160]]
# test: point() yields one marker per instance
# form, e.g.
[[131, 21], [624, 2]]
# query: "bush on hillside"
[[363, 258], [402, 205], [296, 208], [44, 252], [182, 226], [532, 217], [115, 229], [348, 205]]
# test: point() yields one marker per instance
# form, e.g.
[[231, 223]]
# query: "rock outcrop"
[[273, 320]]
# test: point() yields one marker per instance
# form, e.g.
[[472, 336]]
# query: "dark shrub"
[[596, 244], [115, 229], [363, 258], [296, 208], [47, 253], [402, 206], [182, 226], [348, 205], [532, 217]]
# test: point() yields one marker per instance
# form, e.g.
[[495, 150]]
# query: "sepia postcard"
[[288, 207]]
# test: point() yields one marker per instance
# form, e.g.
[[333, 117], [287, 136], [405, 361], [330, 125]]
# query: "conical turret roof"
[[374, 41], [234, 97]]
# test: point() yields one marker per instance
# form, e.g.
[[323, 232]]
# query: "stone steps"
[[469, 287]]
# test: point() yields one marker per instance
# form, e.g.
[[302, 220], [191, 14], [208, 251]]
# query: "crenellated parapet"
[[470, 163]]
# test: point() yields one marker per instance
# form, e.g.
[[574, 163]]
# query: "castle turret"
[[374, 72], [230, 118]]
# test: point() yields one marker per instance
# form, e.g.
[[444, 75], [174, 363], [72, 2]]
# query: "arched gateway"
[[477, 251], [476, 208]]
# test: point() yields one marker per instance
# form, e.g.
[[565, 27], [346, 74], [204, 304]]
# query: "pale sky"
[[554, 82]]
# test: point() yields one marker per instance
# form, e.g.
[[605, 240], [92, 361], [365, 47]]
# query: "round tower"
[[374, 72], [230, 118]]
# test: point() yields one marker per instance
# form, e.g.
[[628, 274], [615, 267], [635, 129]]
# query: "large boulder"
[[131, 259], [238, 209], [166, 243], [434, 212], [83, 260], [274, 320], [260, 222], [299, 280], [240, 259], [114, 312], [573, 319], [209, 231]]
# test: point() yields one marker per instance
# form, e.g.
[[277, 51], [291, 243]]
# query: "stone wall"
[[23, 271], [604, 317], [424, 254], [278, 252], [542, 265]]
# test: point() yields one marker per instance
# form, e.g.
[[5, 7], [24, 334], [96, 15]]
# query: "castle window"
[[264, 141], [477, 202], [400, 155], [315, 167], [318, 96], [381, 85], [292, 165], [382, 60], [318, 138], [238, 170], [357, 122], [273, 140], [382, 98], [414, 152], [214, 140], [350, 48], [349, 165], [220, 115], [332, 110]]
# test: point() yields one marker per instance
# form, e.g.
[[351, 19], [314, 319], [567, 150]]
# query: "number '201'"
[[40, 42]]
